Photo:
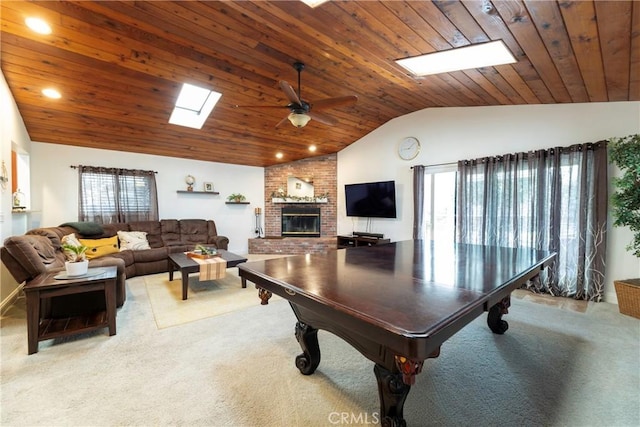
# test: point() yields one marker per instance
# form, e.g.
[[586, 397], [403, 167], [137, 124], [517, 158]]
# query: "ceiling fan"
[[302, 111]]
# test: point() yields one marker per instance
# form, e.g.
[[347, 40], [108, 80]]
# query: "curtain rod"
[[76, 167], [437, 164]]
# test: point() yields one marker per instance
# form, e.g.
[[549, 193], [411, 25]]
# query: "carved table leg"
[[264, 295], [494, 319], [392, 391], [307, 337]]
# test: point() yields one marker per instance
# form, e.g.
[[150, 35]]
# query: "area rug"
[[205, 299]]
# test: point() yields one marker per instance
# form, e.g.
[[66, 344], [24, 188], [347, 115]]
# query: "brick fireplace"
[[323, 169]]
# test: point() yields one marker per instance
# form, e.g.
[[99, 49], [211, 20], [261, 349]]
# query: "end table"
[[56, 284]]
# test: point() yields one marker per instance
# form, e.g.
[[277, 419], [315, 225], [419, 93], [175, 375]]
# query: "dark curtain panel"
[[553, 200], [419, 225], [110, 195]]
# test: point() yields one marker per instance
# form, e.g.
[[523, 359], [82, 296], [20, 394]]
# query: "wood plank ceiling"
[[120, 66]]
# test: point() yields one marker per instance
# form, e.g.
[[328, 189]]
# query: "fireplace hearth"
[[300, 222]]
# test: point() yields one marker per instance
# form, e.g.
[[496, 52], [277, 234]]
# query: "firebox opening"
[[300, 222]]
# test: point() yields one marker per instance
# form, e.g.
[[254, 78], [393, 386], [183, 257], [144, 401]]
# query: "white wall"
[[13, 135], [54, 186], [451, 134]]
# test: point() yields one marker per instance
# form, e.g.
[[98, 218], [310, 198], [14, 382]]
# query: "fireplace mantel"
[[308, 201]]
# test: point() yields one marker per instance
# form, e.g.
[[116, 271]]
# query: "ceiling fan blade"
[[334, 102], [279, 107], [322, 118], [291, 94], [281, 122]]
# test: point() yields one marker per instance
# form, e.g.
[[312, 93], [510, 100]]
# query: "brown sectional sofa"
[[39, 250]]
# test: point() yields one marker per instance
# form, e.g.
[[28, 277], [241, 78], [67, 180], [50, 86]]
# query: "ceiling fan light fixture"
[[299, 120]]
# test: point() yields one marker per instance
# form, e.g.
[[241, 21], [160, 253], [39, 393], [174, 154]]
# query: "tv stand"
[[364, 234], [361, 239]]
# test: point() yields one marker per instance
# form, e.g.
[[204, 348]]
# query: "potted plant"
[[236, 198], [625, 209], [77, 263]]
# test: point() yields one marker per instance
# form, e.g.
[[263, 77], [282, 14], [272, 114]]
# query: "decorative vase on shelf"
[[77, 268]]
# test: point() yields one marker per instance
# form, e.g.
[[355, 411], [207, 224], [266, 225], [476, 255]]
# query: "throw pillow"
[[100, 247], [72, 240], [133, 240]]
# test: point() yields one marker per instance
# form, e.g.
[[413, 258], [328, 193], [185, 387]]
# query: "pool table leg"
[[392, 391], [494, 318], [307, 337]]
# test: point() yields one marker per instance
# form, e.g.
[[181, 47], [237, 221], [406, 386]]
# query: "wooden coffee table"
[[48, 286], [179, 261]]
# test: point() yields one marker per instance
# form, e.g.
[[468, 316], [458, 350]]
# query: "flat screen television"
[[371, 199]]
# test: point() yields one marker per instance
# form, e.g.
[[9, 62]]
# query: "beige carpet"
[[553, 367], [205, 299]]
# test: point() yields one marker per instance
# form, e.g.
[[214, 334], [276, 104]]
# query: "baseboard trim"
[[8, 301]]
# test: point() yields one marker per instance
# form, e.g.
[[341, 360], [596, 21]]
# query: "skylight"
[[462, 58], [193, 106]]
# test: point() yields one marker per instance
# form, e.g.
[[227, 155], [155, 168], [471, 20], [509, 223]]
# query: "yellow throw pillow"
[[100, 247]]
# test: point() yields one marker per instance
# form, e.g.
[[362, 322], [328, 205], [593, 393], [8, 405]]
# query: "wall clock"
[[409, 148]]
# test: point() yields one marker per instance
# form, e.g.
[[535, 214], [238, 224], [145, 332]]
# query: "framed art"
[[208, 186]]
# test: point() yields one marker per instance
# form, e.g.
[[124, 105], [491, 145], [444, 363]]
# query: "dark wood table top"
[[183, 261], [412, 289], [48, 280]]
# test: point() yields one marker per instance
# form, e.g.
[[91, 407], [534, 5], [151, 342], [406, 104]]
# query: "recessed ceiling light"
[[193, 106], [51, 93], [38, 25], [462, 58], [314, 3], [312, 148], [279, 155]]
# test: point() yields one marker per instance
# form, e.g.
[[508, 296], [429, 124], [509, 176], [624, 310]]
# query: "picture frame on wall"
[[208, 186]]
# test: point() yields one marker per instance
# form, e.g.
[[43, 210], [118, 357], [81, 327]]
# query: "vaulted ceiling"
[[120, 67]]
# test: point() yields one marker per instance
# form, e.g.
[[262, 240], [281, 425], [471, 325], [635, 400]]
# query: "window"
[[109, 195], [553, 200], [439, 204]]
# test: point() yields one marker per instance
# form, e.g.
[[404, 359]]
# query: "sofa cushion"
[[133, 240], [100, 247], [170, 231], [112, 229], [34, 253], [194, 231], [50, 233], [150, 255]]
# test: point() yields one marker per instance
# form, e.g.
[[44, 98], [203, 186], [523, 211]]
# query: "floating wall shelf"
[[237, 203], [213, 193]]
